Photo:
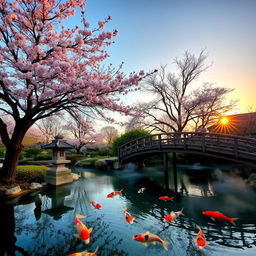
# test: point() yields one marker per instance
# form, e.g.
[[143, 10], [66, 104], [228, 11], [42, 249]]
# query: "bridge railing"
[[233, 145]]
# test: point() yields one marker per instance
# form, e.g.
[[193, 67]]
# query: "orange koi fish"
[[200, 239], [112, 194], [151, 238], [166, 198], [217, 215], [173, 216], [82, 231], [128, 217], [96, 205], [141, 190], [84, 253]]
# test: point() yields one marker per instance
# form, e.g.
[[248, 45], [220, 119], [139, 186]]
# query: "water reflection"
[[58, 208], [7, 232], [48, 229]]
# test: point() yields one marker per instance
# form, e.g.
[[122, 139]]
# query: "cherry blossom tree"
[[81, 130], [47, 68]]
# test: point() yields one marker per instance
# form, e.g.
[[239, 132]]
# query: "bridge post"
[[174, 172], [166, 174], [159, 141]]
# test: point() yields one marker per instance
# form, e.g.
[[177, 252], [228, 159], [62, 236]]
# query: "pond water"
[[25, 230]]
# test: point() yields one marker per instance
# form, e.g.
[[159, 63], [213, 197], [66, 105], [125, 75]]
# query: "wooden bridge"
[[231, 147]]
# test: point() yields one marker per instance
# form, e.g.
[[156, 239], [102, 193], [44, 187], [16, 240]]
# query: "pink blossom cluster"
[[46, 68]]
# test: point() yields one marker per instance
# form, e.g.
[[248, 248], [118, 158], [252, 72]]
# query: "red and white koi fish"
[[200, 239], [84, 253], [96, 205], [82, 231], [151, 238], [112, 194], [173, 216], [141, 190], [217, 215], [128, 217], [166, 198]]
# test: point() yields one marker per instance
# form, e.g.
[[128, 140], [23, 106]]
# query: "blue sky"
[[154, 32]]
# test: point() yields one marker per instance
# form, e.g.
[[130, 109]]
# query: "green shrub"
[[92, 153], [126, 137], [105, 152], [90, 161], [31, 173], [32, 152], [25, 160], [75, 157], [100, 164], [44, 156], [2, 151], [22, 155], [39, 162]]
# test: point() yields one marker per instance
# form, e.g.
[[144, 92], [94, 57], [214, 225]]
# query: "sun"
[[224, 121]]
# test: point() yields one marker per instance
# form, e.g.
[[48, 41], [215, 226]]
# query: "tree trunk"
[[8, 172], [13, 150]]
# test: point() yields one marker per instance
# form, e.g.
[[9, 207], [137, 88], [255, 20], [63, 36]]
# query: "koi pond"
[[27, 230]]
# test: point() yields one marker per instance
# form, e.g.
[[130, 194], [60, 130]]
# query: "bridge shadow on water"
[[212, 188]]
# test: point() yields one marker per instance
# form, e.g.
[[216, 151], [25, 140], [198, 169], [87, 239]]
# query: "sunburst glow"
[[224, 120]]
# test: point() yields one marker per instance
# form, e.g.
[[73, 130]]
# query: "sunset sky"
[[154, 32]]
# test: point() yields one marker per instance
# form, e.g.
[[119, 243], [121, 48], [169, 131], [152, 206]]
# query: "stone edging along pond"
[[7, 192]]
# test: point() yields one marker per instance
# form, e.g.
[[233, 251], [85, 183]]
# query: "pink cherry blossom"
[[47, 68]]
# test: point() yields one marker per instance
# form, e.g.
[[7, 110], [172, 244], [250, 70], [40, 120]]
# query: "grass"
[[30, 173], [90, 162]]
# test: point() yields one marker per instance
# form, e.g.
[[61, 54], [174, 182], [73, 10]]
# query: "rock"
[[35, 185], [217, 175], [38, 200], [75, 176], [13, 191]]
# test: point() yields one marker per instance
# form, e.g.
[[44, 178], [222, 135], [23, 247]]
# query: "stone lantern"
[[58, 174]]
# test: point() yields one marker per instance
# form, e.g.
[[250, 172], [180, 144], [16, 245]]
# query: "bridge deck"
[[236, 148]]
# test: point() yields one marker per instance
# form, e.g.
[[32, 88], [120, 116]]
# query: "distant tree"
[[133, 123], [211, 106], [47, 68], [81, 131], [126, 137], [50, 127], [176, 103], [109, 133]]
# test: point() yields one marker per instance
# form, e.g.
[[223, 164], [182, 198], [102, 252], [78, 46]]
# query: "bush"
[[32, 152], [75, 157], [100, 164], [25, 160], [92, 153], [38, 162], [128, 136], [31, 173], [105, 152], [2, 151], [90, 162], [44, 155]]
